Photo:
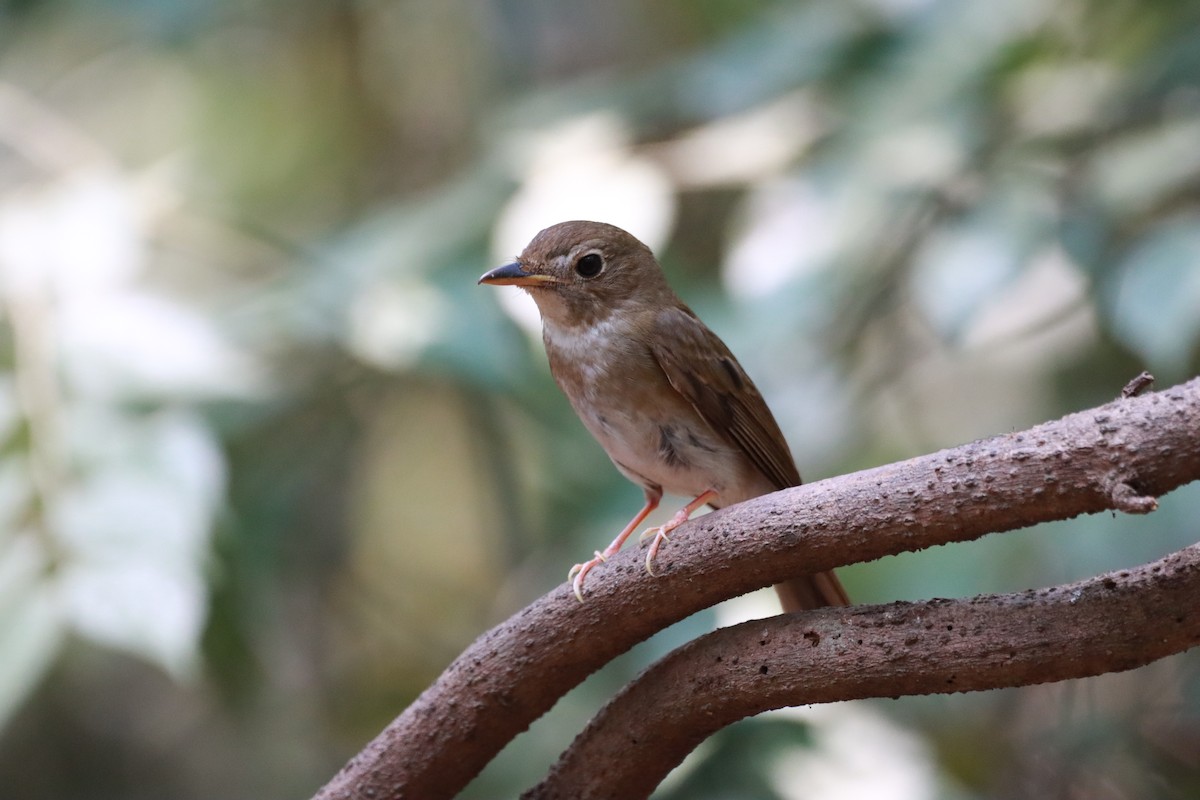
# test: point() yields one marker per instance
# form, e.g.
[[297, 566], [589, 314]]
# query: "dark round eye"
[[589, 266]]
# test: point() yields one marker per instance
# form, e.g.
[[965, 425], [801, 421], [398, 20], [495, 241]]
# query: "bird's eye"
[[589, 266]]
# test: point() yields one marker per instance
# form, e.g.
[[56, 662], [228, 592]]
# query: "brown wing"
[[701, 368]]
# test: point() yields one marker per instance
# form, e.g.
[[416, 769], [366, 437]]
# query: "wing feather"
[[700, 367]]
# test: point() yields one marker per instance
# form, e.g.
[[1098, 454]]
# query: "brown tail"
[[812, 591]]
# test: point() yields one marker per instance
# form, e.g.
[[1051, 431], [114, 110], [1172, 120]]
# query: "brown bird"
[[658, 390]]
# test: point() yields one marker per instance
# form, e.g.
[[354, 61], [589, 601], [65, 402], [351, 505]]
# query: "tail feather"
[[812, 591]]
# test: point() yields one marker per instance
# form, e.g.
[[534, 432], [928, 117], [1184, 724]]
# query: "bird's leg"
[[580, 571], [659, 532]]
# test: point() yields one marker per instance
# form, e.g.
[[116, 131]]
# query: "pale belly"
[[651, 433], [680, 459]]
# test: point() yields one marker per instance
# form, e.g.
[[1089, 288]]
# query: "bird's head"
[[580, 272]]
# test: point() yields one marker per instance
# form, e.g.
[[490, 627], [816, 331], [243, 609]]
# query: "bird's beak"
[[515, 275]]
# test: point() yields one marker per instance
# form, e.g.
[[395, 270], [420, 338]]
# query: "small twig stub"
[[1138, 385]]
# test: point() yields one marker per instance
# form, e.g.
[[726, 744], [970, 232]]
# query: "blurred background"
[[270, 458]]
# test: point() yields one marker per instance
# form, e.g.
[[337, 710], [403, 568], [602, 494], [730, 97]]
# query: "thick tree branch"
[[1110, 623], [1121, 455]]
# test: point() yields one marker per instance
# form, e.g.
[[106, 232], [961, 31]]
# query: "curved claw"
[[578, 572], [649, 532], [659, 538], [575, 578]]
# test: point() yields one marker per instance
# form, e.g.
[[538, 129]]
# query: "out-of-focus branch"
[[1121, 455], [1109, 623]]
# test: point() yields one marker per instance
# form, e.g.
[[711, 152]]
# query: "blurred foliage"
[[271, 459]]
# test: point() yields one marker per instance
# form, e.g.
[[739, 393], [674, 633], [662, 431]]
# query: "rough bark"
[[1119, 456], [1110, 623]]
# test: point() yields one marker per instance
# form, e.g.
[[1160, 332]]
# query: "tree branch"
[[1118, 456], [1110, 623]]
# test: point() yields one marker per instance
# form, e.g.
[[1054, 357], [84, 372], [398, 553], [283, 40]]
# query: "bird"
[[659, 391]]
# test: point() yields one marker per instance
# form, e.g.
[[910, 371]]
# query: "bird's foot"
[[659, 532], [580, 571], [659, 535]]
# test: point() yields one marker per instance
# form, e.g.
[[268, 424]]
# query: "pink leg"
[[580, 571], [660, 532]]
